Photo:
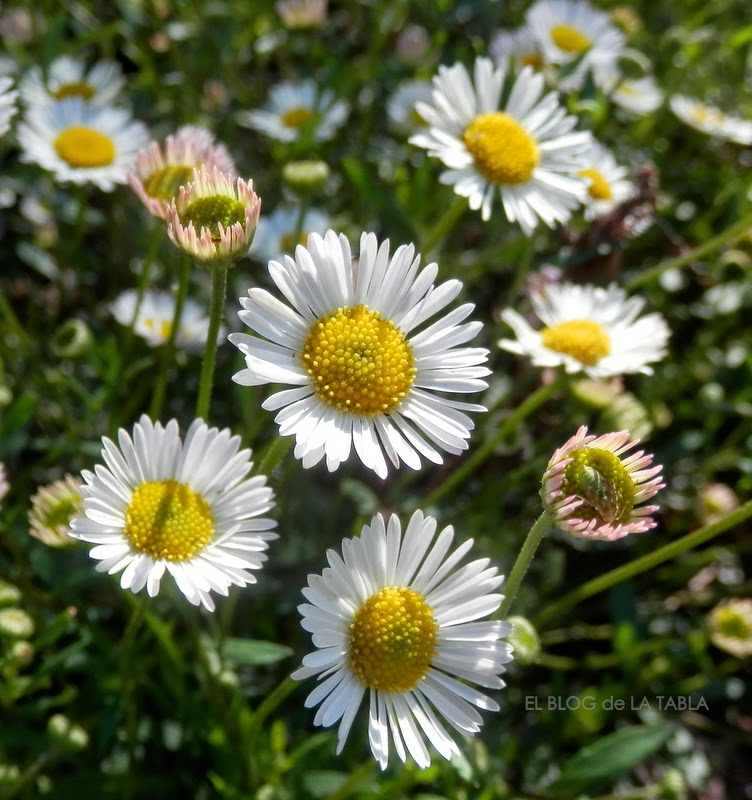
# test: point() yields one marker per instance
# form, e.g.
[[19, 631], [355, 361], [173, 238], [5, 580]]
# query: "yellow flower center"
[[600, 479], [582, 339], [84, 147], [569, 39], [393, 638], [165, 183], [503, 151], [209, 212], [534, 60], [358, 361], [706, 114], [599, 189], [161, 327], [730, 623], [167, 520], [289, 241], [296, 117], [77, 89]]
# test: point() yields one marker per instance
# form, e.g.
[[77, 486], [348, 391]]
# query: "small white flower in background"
[[214, 217], [730, 626], [520, 45], [400, 107], [187, 508], [68, 77], [296, 107], [568, 30], [275, 232], [302, 13], [80, 143], [362, 376], [589, 329], [592, 488], [639, 95], [52, 509], [160, 171], [4, 485], [711, 120], [155, 318], [395, 619], [608, 185], [524, 151], [7, 104]]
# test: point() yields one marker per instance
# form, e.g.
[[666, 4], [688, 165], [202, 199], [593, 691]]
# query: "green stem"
[[274, 453], [444, 224], [219, 290], [541, 526], [157, 235], [730, 233], [466, 468], [643, 564], [355, 779], [128, 683], [305, 201], [270, 703], [168, 350]]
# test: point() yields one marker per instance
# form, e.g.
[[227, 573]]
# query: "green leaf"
[[607, 758], [254, 652]]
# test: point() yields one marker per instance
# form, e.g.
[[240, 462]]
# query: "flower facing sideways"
[[395, 619], [362, 376], [161, 504], [593, 489], [588, 329], [161, 170]]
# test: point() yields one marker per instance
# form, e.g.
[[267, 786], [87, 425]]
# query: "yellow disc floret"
[[296, 117], [600, 479], [209, 212], [77, 89], [582, 339], [504, 152], [168, 520], [358, 361], [569, 39], [165, 183], [393, 638], [599, 188], [84, 147]]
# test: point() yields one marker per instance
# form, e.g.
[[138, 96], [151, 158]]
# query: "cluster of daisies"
[[367, 352]]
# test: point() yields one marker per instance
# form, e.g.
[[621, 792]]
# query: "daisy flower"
[[639, 95], [525, 151], [293, 108], [519, 44], [589, 329], [592, 489], [297, 14], [155, 316], [730, 626], [159, 172], [711, 120], [184, 507], [400, 107], [608, 184], [80, 143], [52, 509], [394, 618], [69, 77], [213, 218], [572, 29], [7, 104], [275, 233], [362, 376]]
